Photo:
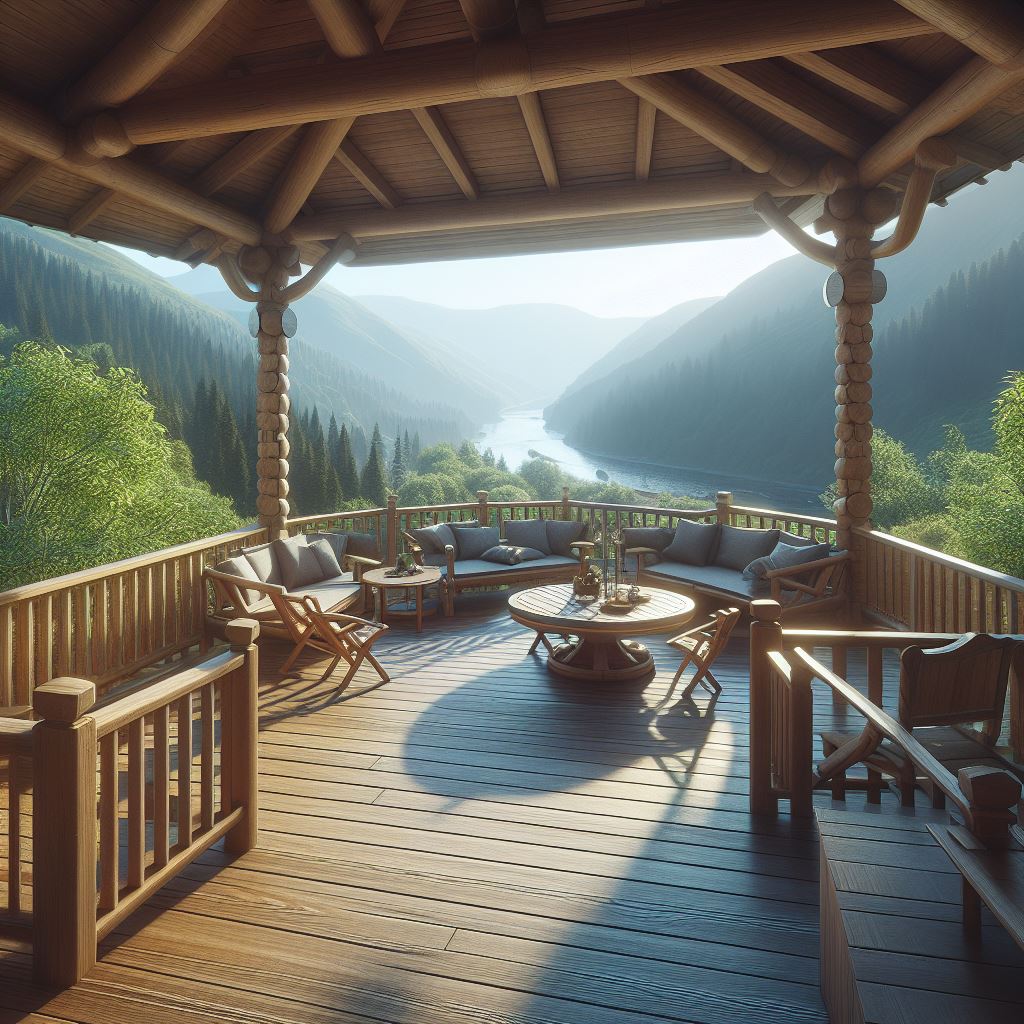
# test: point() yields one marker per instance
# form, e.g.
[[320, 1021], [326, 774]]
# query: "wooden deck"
[[478, 841]]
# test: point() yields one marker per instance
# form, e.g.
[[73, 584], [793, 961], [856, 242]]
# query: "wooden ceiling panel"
[[424, 22], [569, 10], [337, 188]]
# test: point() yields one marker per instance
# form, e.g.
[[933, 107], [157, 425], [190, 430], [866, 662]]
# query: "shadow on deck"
[[478, 840]]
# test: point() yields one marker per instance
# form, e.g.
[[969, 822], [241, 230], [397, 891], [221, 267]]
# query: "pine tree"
[[374, 484], [398, 470], [502, 464], [348, 474]]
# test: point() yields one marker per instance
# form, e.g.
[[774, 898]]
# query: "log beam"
[[721, 128], [993, 29], [346, 27], [352, 158], [141, 56], [646, 117], [815, 249], [320, 141], [433, 125], [767, 85], [689, 192], [242, 155], [21, 182], [384, 14], [537, 126], [963, 94], [595, 50], [489, 19]]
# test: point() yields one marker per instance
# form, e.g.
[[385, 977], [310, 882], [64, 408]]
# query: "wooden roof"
[[434, 129]]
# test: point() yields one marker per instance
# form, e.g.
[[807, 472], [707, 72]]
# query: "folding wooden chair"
[[702, 645], [347, 637]]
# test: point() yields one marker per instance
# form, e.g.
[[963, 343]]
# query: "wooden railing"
[[183, 750], [373, 521], [108, 623], [15, 821]]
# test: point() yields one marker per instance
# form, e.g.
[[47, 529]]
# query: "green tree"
[[398, 466], [374, 483], [87, 474], [544, 478], [423, 489], [345, 460]]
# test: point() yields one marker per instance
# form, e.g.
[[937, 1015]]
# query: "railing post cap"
[[765, 610], [988, 787], [482, 495], [392, 500], [64, 699], [242, 632], [723, 495]]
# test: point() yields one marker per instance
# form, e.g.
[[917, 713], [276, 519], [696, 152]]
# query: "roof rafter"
[[242, 155], [719, 126], [346, 26], [488, 19], [646, 118], [355, 161], [439, 134], [21, 182], [90, 210], [537, 126], [993, 29], [384, 14], [590, 50]]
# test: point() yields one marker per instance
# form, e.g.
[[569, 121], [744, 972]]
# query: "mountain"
[[746, 386], [536, 349], [341, 327], [645, 338]]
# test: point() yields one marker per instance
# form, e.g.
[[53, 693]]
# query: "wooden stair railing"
[[79, 753]]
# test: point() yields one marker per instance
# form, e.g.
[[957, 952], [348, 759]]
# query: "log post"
[[723, 507], [765, 636], [566, 509], [242, 736], [483, 512], [391, 530], [64, 840]]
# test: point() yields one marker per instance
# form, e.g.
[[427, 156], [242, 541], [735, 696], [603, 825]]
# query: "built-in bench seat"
[[893, 945]]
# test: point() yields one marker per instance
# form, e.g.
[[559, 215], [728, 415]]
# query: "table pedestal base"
[[610, 659]]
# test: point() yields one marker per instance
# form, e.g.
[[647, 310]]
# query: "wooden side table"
[[428, 576]]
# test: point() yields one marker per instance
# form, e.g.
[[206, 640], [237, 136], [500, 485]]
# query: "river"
[[518, 431]]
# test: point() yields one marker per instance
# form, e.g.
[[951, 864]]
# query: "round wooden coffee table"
[[597, 648], [428, 576]]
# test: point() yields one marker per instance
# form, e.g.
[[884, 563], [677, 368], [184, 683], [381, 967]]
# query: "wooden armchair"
[[944, 692], [701, 646], [820, 583]]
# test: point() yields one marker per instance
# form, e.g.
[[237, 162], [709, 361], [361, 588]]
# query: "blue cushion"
[[784, 556], [562, 533], [473, 541], [528, 533], [738, 547], [433, 539], [693, 543]]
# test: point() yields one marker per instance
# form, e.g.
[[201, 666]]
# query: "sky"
[[636, 281]]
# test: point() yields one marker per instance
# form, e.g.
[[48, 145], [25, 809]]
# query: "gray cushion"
[[528, 533], [528, 554], [785, 556], [692, 543], [299, 564], [795, 539], [714, 577], [435, 538], [562, 533], [331, 593], [503, 554], [435, 558], [738, 547], [364, 545], [325, 555], [240, 566], [478, 567], [473, 541], [338, 542], [263, 559], [657, 537]]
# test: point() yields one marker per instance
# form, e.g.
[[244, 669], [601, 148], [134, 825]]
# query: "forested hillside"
[[198, 364]]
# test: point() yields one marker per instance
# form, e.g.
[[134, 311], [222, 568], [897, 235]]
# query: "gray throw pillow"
[[795, 540], [299, 565], [737, 547], [473, 541], [324, 553], [657, 537], [363, 545], [240, 566], [692, 543], [264, 563], [528, 554], [503, 554], [528, 533], [784, 556], [337, 541], [562, 533], [434, 539]]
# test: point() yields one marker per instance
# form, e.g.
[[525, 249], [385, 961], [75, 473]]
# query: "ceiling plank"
[[718, 126], [646, 117], [141, 56], [488, 19], [352, 158], [90, 210], [537, 126], [242, 155], [993, 29], [964, 93], [21, 182], [441, 138], [688, 34], [320, 141], [384, 14], [685, 192], [869, 74], [346, 27], [768, 86]]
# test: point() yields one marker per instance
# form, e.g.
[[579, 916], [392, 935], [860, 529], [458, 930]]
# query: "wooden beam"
[[814, 248], [993, 29], [979, 154], [767, 85], [537, 126], [719, 126], [141, 56], [689, 34], [646, 117], [242, 155], [964, 93], [686, 192], [530, 15], [441, 138], [320, 141], [489, 19], [352, 158], [384, 14], [21, 182], [346, 27], [868, 74], [90, 210]]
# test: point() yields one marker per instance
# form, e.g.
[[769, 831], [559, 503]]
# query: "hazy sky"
[[638, 281]]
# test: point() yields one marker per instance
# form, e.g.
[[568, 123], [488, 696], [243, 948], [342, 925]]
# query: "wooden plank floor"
[[478, 841]]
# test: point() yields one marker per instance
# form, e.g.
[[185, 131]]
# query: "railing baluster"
[[7, 666], [184, 816], [44, 639], [62, 642], [161, 787], [13, 836], [206, 762], [23, 637], [109, 822], [136, 803]]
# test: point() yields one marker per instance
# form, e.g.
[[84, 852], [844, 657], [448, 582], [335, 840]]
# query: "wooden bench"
[[894, 948]]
